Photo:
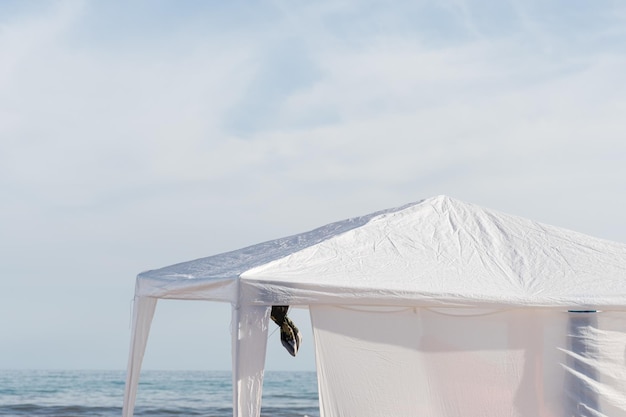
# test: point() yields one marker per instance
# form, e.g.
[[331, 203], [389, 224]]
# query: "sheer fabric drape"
[[408, 362]]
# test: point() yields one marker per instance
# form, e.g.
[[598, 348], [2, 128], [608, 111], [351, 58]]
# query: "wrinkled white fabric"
[[437, 253], [445, 251], [249, 333], [451, 363], [143, 312]]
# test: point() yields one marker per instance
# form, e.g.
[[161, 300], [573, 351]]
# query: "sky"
[[135, 135]]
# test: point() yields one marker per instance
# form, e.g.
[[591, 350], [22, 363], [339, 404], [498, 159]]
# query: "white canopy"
[[430, 261]]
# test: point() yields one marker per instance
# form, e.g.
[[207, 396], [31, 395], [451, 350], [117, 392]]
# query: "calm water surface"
[[161, 393]]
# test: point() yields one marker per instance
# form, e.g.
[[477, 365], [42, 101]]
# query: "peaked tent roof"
[[439, 251]]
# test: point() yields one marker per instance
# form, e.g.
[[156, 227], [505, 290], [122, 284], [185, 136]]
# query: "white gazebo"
[[438, 308]]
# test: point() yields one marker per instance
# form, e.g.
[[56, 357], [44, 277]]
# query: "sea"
[[160, 393]]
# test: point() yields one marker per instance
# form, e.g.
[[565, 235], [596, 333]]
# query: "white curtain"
[[143, 312], [407, 362], [249, 343], [249, 333]]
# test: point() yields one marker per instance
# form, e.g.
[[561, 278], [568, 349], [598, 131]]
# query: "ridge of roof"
[[232, 263]]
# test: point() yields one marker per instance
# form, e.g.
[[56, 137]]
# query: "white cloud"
[[119, 157], [82, 122]]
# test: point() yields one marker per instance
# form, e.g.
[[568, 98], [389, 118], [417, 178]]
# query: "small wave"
[[21, 410], [32, 393], [58, 410]]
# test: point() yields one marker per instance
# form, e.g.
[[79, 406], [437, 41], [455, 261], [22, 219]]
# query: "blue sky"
[[137, 135]]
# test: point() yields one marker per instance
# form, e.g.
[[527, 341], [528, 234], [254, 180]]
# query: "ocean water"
[[160, 394]]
